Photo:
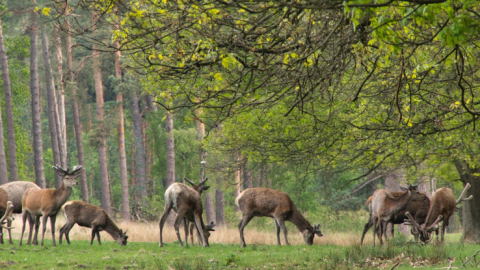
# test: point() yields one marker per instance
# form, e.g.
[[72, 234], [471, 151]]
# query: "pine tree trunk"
[[209, 208], [122, 156], [76, 117], [60, 101], [238, 181], [470, 216], [7, 86], [35, 104], [170, 179], [140, 155], [219, 205], [52, 125], [102, 147]]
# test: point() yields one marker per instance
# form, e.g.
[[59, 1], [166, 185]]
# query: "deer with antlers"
[[13, 192], [187, 203], [265, 202], [418, 208], [8, 215], [47, 202], [442, 206]]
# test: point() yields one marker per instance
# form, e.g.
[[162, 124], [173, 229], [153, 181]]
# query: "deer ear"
[[205, 188]]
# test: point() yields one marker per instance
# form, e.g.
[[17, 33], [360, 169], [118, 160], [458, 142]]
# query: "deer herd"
[[409, 207]]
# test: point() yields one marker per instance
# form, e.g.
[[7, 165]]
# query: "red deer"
[[385, 206], [91, 216], [47, 202], [8, 215], [13, 191], [442, 206], [418, 207], [187, 203], [265, 202]]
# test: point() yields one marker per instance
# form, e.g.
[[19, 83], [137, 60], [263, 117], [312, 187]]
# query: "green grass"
[[136, 255]]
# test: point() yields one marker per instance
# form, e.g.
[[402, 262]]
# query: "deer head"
[[69, 177], [310, 233], [200, 187], [122, 238], [424, 233]]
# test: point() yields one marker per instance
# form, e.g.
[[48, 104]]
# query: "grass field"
[[333, 251]]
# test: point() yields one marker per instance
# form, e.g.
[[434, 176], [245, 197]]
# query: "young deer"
[[442, 206], [91, 216], [13, 191], [187, 203], [47, 202], [265, 202], [419, 209]]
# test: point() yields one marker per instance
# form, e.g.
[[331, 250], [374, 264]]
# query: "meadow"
[[337, 249]]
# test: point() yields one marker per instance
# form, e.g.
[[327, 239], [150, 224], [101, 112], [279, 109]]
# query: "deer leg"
[[176, 225], [444, 228], [44, 227], [374, 229], [191, 227], [36, 225], [367, 226], [185, 226], [392, 230], [277, 232], [98, 238], [245, 219], [67, 232], [52, 226], [24, 221], [10, 241], [385, 228], [166, 211], [62, 231], [380, 230], [281, 223], [1, 235], [198, 223], [94, 228]]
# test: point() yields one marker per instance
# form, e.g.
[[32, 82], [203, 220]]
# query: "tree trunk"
[[209, 208], [140, 154], [76, 116], [248, 178], [35, 104], [102, 147], [52, 125], [60, 101], [12, 148], [170, 179], [122, 156], [470, 216], [238, 181], [219, 205]]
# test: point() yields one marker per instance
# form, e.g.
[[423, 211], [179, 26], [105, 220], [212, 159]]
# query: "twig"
[[395, 266], [469, 258]]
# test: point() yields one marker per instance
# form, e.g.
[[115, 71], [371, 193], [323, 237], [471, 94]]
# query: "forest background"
[[324, 100]]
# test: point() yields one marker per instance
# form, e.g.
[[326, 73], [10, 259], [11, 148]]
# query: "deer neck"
[[299, 221], [399, 203], [62, 194], [112, 229]]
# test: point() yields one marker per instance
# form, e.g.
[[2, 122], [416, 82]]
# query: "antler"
[[76, 169], [188, 181], [203, 181], [434, 185], [412, 221], [7, 215], [434, 225], [460, 199], [60, 169]]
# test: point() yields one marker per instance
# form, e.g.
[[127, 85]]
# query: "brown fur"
[[47, 202], [13, 191], [187, 203], [91, 216], [265, 202]]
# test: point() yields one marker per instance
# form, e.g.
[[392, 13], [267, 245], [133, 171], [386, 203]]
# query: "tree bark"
[[76, 116], [122, 156], [12, 147], [170, 179], [140, 154], [52, 125], [219, 205], [60, 101], [209, 208], [238, 181], [35, 104], [102, 147], [470, 216]]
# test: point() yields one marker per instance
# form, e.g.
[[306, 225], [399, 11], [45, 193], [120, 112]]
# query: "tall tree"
[[60, 100], [52, 112], [141, 158], [122, 156], [77, 124], [7, 86], [35, 104], [100, 126], [170, 178]]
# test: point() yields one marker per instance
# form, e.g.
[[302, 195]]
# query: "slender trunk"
[[248, 178], [470, 217], [238, 180], [52, 125], [12, 148], [76, 117], [209, 208], [102, 147], [170, 179], [35, 103], [140, 155], [219, 205], [122, 156], [60, 101]]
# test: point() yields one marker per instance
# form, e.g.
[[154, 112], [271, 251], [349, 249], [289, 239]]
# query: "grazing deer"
[[8, 215], [442, 206], [91, 216], [385, 206], [47, 202], [13, 191], [419, 209], [265, 202], [187, 203]]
